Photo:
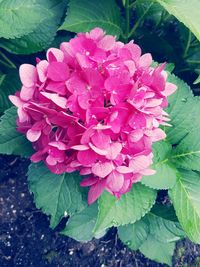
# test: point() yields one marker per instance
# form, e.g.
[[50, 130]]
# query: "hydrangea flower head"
[[94, 106]]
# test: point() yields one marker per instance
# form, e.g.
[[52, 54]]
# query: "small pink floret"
[[94, 106]]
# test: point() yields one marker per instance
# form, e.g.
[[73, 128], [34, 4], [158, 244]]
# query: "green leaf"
[[56, 195], [80, 225], [20, 17], [128, 209], [134, 235], [85, 15], [166, 174], [43, 34], [12, 142], [163, 229], [183, 110], [186, 12], [158, 251], [187, 154], [185, 197], [9, 83], [197, 80]]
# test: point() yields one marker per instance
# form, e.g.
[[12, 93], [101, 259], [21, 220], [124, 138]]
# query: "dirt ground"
[[26, 239]]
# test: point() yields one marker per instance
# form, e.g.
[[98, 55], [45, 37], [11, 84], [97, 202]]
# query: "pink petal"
[[55, 54], [80, 147], [148, 172], [136, 135], [51, 160], [131, 66], [153, 102], [139, 163], [89, 181], [96, 33], [28, 75], [16, 101], [95, 191], [158, 135], [32, 135], [113, 151], [101, 127], [58, 100], [124, 169], [42, 70], [170, 88], [115, 181], [107, 42], [145, 60], [27, 93], [101, 140], [86, 157], [58, 144], [58, 71], [99, 151], [102, 169], [85, 171]]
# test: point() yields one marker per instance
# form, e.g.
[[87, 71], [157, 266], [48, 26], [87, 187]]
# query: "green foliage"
[[128, 209], [12, 142], [134, 235], [185, 198], [85, 15], [158, 251], [181, 103], [14, 21], [166, 174], [187, 153], [9, 83], [56, 195], [186, 12], [153, 235], [30, 26], [80, 225], [42, 35]]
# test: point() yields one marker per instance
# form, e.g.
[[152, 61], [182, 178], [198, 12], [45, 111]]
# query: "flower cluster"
[[94, 106]]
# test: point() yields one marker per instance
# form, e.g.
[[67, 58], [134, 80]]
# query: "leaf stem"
[[127, 16], [187, 44], [139, 21], [132, 5], [9, 63]]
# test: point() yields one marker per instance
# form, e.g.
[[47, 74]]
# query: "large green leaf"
[[165, 176], [185, 197], [9, 83], [43, 34], [134, 235], [160, 222], [187, 153], [85, 15], [158, 251], [128, 209], [164, 230], [183, 110], [56, 195], [186, 12], [20, 17], [12, 142], [80, 225]]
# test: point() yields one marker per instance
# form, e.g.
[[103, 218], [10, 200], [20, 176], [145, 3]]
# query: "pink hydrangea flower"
[[94, 106]]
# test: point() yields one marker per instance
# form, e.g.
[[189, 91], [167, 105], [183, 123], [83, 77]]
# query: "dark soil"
[[26, 239]]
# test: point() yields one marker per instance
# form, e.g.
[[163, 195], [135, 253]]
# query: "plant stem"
[[188, 44], [127, 16], [9, 63], [132, 5], [139, 21]]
